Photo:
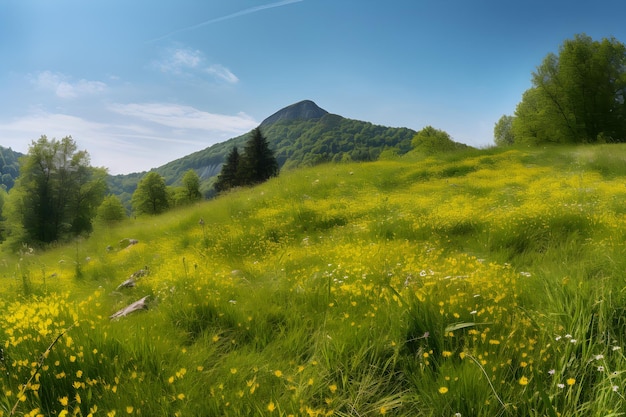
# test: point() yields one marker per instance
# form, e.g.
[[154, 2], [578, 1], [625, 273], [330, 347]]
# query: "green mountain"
[[301, 134]]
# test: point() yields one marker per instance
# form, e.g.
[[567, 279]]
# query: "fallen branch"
[[141, 304], [132, 281]]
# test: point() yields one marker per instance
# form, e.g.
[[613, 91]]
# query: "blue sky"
[[140, 83]]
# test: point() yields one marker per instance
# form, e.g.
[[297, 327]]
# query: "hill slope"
[[478, 283], [301, 134]]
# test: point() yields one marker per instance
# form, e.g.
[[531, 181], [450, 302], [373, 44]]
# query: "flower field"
[[483, 283]]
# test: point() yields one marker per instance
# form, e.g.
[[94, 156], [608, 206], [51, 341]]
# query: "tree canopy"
[[151, 195], [430, 141], [256, 165], [577, 96], [229, 177], [57, 193], [9, 167], [503, 131], [111, 210], [191, 186]]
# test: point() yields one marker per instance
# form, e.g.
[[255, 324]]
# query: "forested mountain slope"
[[301, 134]]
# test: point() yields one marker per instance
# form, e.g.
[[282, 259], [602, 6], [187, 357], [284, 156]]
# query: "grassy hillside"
[[296, 143], [482, 283]]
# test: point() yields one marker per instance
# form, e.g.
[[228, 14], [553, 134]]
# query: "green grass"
[[479, 283]]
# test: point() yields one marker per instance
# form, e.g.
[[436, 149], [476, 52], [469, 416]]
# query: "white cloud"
[[136, 137], [64, 88], [222, 73], [180, 60], [191, 62], [186, 117]]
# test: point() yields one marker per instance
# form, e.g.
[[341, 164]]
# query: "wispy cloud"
[[186, 117], [222, 73], [230, 16], [65, 88], [136, 137], [191, 62], [179, 60]]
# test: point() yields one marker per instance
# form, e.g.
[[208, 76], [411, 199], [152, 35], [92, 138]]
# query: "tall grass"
[[483, 283]]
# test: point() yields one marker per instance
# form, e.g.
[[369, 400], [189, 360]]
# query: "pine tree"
[[258, 163], [229, 176]]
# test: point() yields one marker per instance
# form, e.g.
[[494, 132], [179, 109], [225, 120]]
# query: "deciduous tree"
[[430, 141], [577, 96], [57, 192], [111, 210], [503, 131], [191, 185], [151, 195]]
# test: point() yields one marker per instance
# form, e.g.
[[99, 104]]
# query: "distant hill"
[[302, 134], [9, 167]]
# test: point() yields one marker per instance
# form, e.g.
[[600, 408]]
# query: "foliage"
[[123, 186], [191, 186], [577, 97], [57, 193], [188, 193], [151, 196], [430, 141], [111, 210], [9, 167], [256, 165], [503, 131], [229, 176]]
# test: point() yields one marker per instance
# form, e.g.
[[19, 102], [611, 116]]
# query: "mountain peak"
[[303, 110]]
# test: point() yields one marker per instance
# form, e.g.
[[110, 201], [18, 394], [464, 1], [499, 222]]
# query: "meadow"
[[475, 283]]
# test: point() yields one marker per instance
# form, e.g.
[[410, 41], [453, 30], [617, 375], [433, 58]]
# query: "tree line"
[[58, 194], [577, 96]]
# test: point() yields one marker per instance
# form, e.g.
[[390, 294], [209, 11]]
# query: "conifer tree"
[[258, 163], [229, 176]]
